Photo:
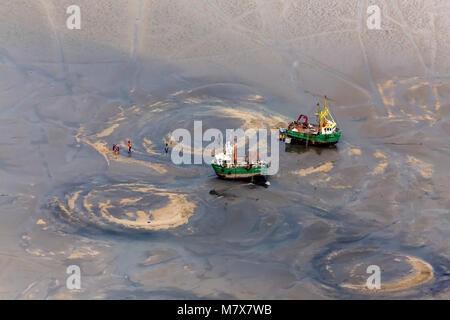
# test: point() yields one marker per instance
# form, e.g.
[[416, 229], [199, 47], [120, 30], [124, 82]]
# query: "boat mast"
[[327, 112], [319, 114]]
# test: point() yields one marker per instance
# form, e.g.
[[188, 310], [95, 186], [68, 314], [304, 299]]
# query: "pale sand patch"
[[155, 104], [76, 255], [418, 86], [118, 117], [36, 252], [156, 258], [176, 213], [107, 131], [73, 199], [82, 253], [69, 213], [177, 93], [100, 147], [355, 151], [192, 100], [379, 155], [65, 296], [31, 285], [188, 269], [425, 169], [341, 187], [142, 217], [379, 169], [129, 201], [322, 168], [160, 105], [79, 133], [86, 204], [141, 189], [255, 98], [157, 167], [422, 273], [135, 109], [63, 208], [41, 222], [148, 146], [388, 102]]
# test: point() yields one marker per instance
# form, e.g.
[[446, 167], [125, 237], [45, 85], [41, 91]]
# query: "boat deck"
[[302, 128], [243, 165]]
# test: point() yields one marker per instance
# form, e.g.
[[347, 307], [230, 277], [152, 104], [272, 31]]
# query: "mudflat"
[[139, 226]]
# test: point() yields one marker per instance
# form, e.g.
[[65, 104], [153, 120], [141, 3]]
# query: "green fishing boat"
[[325, 132], [228, 166]]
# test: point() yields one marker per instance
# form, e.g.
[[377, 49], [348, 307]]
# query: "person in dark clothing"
[[114, 147], [166, 148]]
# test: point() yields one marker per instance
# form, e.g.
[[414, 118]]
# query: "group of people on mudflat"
[[116, 148]]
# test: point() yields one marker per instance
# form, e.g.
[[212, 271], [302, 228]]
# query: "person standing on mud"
[[129, 146], [166, 148]]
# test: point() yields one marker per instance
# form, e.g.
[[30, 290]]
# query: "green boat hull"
[[239, 173], [320, 139]]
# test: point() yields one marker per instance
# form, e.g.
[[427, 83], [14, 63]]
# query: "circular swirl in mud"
[[348, 269], [123, 206], [149, 125]]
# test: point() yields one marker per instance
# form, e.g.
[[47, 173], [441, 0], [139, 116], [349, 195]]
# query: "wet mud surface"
[[140, 226]]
